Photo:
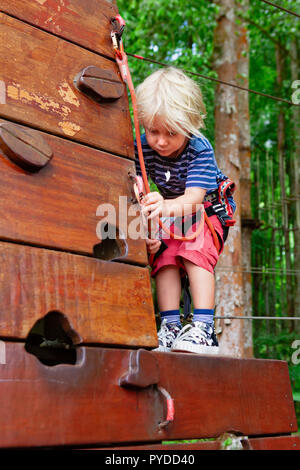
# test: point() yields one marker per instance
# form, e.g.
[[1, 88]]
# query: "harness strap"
[[220, 203], [226, 189]]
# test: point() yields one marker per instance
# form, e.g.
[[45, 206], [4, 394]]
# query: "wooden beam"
[[83, 404], [107, 303]]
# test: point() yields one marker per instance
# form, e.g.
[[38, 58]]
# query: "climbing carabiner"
[[118, 20], [116, 34]]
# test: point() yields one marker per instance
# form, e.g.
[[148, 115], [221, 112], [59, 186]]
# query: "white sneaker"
[[197, 337], [167, 335]]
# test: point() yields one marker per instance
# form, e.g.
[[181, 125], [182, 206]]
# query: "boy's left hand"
[[153, 203]]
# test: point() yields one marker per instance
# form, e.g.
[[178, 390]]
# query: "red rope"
[[122, 62]]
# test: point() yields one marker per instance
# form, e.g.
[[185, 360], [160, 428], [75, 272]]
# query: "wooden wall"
[[76, 312], [50, 221]]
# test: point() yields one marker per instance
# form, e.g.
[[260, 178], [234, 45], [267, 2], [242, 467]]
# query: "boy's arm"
[[178, 207]]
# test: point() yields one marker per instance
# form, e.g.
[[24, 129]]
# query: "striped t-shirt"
[[196, 166]]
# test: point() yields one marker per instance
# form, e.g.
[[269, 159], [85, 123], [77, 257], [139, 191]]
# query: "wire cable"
[[234, 85], [242, 317], [281, 8], [258, 270]]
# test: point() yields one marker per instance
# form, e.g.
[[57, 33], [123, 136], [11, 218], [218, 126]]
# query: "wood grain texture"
[[86, 23], [84, 404], [57, 207], [105, 302], [37, 86], [233, 395], [276, 443]]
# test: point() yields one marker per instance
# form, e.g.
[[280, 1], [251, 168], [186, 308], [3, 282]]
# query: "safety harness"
[[219, 198], [220, 202]]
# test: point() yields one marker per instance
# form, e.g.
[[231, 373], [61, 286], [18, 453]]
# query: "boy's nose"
[[162, 141]]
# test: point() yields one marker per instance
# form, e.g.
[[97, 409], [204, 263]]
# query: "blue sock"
[[172, 316], [205, 315]]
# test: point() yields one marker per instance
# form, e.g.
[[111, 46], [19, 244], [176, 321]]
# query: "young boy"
[[181, 162]]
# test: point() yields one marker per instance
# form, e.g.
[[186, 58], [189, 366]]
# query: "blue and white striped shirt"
[[196, 166]]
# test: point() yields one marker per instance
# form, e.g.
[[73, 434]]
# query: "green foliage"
[[168, 31], [270, 31], [187, 441]]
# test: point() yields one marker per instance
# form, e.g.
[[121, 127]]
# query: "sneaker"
[[197, 337], [167, 335]]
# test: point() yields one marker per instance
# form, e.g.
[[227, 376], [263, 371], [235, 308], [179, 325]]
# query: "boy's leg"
[[168, 288], [202, 285], [168, 291], [199, 336]]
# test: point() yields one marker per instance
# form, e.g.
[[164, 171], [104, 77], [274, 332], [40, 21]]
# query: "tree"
[[247, 222], [229, 298]]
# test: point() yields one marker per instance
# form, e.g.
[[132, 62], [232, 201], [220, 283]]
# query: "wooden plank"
[[57, 206], [275, 443], [72, 404], [85, 23], [109, 303], [238, 396], [84, 405], [36, 77]]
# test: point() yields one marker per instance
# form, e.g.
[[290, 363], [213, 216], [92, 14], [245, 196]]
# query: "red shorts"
[[200, 251]]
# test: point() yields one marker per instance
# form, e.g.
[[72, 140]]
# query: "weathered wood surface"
[[36, 88], [84, 404], [100, 306], [276, 443], [84, 23], [57, 206]]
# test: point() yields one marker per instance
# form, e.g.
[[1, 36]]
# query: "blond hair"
[[172, 96]]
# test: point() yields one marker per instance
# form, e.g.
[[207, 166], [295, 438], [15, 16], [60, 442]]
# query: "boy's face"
[[164, 141]]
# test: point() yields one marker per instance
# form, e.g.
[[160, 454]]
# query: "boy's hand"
[[152, 245], [153, 203]]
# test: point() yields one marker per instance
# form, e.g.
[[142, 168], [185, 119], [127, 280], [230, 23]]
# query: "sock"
[[205, 315], [172, 316]]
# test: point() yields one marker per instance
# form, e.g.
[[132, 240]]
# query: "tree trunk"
[[282, 177], [229, 280], [245, 181]]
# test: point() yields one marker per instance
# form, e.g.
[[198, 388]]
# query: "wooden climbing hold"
[[25, 147], [101, 85]]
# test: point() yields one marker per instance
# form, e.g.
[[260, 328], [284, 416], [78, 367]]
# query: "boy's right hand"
[[152, 245]]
